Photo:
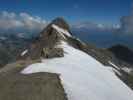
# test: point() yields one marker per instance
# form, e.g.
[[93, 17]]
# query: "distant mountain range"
[[102, 38]]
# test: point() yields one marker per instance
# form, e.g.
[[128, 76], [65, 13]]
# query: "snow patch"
[[128, 70], [125, 69], [24, 52], [61, 30], [83, 77], [3, 38], [114, 65]]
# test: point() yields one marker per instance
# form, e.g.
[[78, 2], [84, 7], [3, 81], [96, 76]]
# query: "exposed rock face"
[[40, 86], [45, 45], [123, 53], [52, 52], [124, 56]]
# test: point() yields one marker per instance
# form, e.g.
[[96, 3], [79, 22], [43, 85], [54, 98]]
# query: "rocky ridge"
[[47, 46]]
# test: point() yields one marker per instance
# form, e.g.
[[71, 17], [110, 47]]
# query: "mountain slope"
[[82, 76], [84, 72], [123, 53]]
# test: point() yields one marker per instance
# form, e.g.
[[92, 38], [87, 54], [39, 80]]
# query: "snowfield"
[[83, 77]]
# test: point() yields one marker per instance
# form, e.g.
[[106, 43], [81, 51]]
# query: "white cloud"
[[23, 22], [85, 25], [127, 24], [94, 26]]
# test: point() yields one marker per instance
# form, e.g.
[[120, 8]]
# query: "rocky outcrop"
[[45, 45], [39, 86], [123, 53]]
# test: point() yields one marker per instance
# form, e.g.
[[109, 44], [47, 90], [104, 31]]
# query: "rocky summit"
[[45, 45]]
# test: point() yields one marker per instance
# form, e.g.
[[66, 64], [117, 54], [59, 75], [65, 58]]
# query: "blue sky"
[[29, 16], [99, 11]]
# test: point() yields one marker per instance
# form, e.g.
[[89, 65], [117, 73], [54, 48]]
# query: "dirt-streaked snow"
[[61, 30], [114, 65], [83, 77], [24, 52], [128, 70]]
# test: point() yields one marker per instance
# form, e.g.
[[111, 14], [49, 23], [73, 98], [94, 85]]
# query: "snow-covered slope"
[[83, 77]]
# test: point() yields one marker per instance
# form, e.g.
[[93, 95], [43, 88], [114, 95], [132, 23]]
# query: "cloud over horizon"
[[22, 22], [127, 24], [94, 27]]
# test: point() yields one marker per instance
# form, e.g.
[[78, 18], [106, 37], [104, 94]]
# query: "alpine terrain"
[[58, 66]]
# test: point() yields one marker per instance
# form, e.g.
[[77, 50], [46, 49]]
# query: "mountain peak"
[[57, 28], [59, 21], [46, 45]]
